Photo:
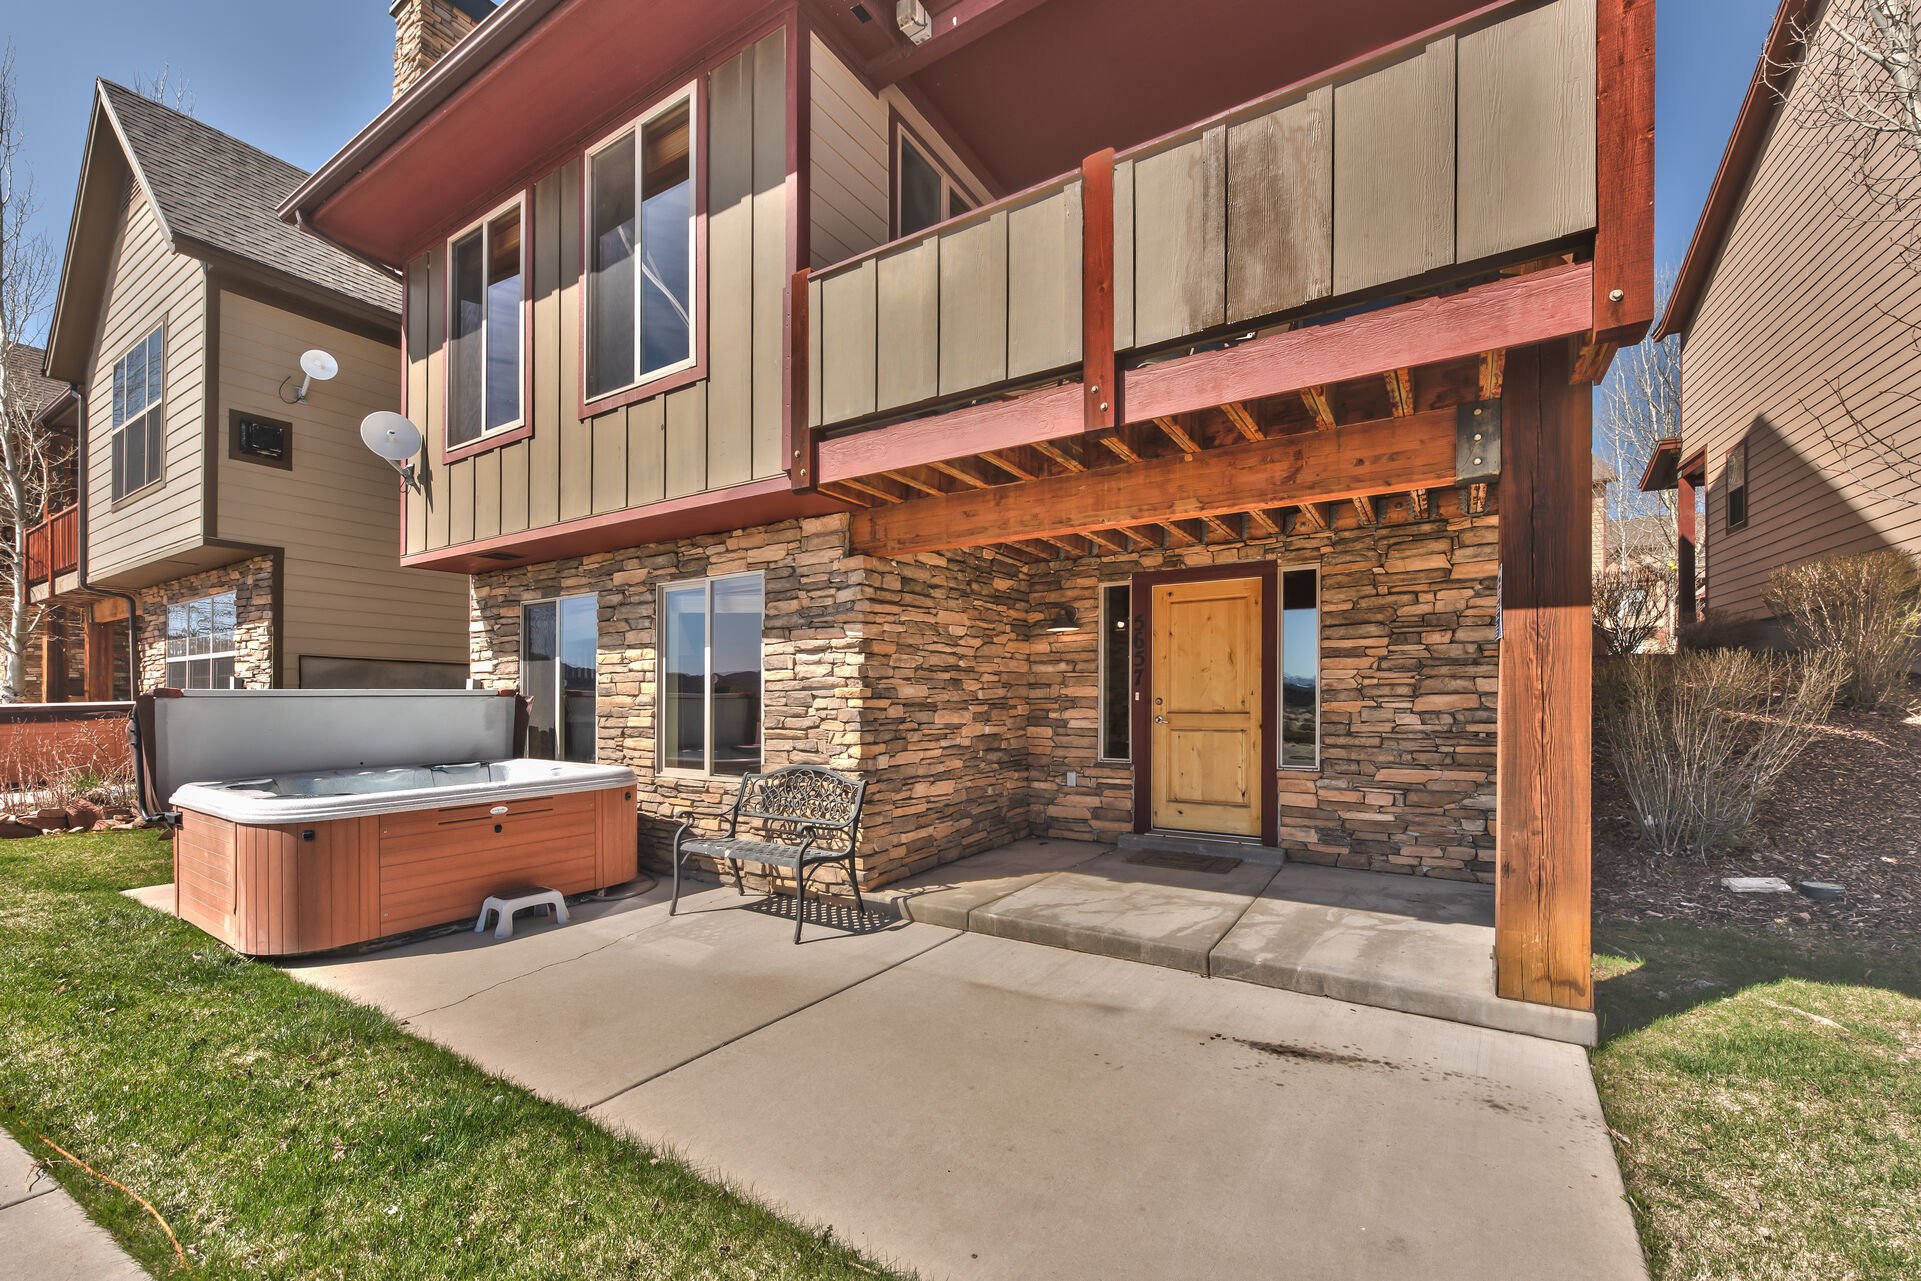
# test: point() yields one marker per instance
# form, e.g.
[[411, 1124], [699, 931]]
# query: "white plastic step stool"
[[503, 910]]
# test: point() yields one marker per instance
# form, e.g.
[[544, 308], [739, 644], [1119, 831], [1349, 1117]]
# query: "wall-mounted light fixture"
[[1063, 620]]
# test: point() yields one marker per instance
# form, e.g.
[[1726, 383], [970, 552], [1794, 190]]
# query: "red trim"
[[803, 448], [1686, 607], [1100, 369], [1141, 606], [760, 502], [955, 27], [1767, 90], [647, 389], [486, 440], [1624, 171], [993, 424], [796, 446]]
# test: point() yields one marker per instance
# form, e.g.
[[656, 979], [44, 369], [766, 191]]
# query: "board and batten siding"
[[1811, 302], [850, 171], [344, 593], [719, 431], [149, 285]]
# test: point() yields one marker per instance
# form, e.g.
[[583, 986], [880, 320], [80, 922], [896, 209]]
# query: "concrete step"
[[1198, 843]]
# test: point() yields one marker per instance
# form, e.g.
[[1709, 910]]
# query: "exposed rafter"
[[1243, 421], [1172, 429], [1008, 465], [1417, 504], [1120, 447], [1103, 538], [1364, 508], [962, 474], [913, 482], [1058, 452], [1313, 516], [1493, 370], [1400, 392], [835, 491], [1221, 527], [1477, 500], [1592, 365], [866, 488], [1318, 406], [1262, 521]]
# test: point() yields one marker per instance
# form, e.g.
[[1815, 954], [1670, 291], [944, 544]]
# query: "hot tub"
[[308, 862]]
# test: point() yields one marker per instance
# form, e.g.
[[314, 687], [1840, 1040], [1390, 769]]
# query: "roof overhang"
[[1767, 90], [1663, 469], [99, 203]]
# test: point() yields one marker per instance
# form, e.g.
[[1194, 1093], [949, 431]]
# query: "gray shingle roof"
[[24, 379], [214, 188]]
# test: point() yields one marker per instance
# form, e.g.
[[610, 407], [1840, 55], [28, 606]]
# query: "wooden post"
[[53, 660], [1542, 905], [803, 463], [1624, 171], [1100, 378], [1688, 609], [100, 651]]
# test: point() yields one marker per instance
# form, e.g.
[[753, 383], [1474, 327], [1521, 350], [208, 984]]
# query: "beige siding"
[[148, 286], [337, 512], [850, 165], [719, 431], [1810, 304]]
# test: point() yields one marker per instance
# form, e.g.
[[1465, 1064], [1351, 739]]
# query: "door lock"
[[1160, 720]]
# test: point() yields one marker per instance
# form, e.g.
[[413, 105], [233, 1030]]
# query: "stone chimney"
[[426, 30]]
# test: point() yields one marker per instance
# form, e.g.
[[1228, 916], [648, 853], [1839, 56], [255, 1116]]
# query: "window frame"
[[233, 652], [560, 692], [1281, 570], [522, 427], [901, 133], [1100, 687], [1745, 488], [115, 495], [706, 774], [694, 367]]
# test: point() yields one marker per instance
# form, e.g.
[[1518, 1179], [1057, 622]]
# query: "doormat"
[[1217, 864]]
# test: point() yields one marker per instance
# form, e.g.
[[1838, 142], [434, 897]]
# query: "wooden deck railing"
[[53, 547], [1462, 147]]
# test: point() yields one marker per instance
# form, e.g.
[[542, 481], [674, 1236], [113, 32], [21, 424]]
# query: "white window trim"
[[1100, 687], [661, 768], [158, 401], [560, 701], [482, 224], [696, 174], [1281, 571], [167, 661]]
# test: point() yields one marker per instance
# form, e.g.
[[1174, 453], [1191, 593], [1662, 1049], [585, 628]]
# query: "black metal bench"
[[806, 816]]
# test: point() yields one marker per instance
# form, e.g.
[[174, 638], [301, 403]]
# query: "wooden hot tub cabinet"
[[312, 887]]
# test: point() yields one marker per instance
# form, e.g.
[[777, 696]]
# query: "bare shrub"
[[85, 770], [1865, 608], [1701, 738], [1711, 631], [1631, 605]]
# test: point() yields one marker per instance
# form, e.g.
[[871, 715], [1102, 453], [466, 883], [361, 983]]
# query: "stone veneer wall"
[[251, 582], [908, 673], [1409, 667], [924, 675]]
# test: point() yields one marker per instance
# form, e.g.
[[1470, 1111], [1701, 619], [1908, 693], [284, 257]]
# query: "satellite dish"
[[318, 365], [389, 435]]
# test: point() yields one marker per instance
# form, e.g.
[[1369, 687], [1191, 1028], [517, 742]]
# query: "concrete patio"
[[1413, 944], [966, 1105]]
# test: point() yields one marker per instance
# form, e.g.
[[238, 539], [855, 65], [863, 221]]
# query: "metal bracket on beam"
[[1477, 441]]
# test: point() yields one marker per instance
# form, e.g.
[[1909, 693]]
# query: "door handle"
[[1160, 720]]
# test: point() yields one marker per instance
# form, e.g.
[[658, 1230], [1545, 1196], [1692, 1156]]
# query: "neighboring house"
[[246, 530], [801, 388], [1799, 304]]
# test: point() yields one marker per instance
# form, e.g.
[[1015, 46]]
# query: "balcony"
[[1452, 160], [53, 549]]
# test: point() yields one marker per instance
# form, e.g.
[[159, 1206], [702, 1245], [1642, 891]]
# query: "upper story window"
[[924, 193], [487, 353], [139, 388], [1737, 485], [640, 264]]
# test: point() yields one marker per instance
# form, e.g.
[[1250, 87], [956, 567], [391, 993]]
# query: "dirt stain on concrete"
[[1314, 1054]]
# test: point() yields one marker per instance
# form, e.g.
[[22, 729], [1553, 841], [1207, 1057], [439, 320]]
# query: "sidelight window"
[[710, 679], [1116, 672], [559, 659], [1300, 668]]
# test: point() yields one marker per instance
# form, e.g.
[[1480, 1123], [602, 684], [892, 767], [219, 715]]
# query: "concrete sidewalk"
[[970, 1106], [44, 1235]]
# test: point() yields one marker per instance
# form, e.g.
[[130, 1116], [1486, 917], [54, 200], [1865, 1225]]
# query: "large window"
[[1117, 708], [710, 675], [139, 388], [487, 351], [200, 646], [1737, 485], [640, 269], [1300, 668], [924, 193], [559, 648]]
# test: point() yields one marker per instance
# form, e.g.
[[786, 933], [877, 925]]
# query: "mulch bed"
[[1849, 811]]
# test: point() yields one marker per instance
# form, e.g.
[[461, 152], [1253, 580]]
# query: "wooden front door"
[[1207, 717]]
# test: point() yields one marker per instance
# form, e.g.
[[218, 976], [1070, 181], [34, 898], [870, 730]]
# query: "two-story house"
[[227, 514], [1078, 417], [1799, 308]]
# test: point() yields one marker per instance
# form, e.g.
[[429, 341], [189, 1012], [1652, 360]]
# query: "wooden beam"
[[867, 487], [1364, 509], [1172, 429], [1624, 170], [1008, 465], [1243, 421], [1101, 538], [1262, 521], [836, 492], [1180, 535], [1314, 516], [1318, 407], [1477, 499], [1400, 392], [803, 445], [1100, 371], [1417, 504], [1492, 365], [1047, 414], [911, 481], [1118, 445], [1591, 366], [1509, 312], [1363, 458], [1058, 452], [1686, 607], [1222, 528], [1138, 538], [964, 475], [1545, 758]]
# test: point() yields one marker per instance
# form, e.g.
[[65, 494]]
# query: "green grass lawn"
[[1765, 1097], [285, 1132]]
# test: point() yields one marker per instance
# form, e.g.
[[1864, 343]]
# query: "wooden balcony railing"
[[53, 547], [1460, 149]]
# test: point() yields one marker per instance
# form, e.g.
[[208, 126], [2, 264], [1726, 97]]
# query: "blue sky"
[[298, 79]]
